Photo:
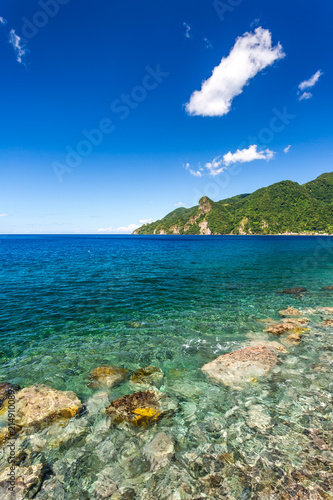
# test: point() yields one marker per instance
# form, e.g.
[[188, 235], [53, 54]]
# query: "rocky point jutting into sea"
[[221, 388]]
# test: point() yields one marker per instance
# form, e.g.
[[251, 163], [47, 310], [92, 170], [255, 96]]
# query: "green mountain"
[[284, 207]]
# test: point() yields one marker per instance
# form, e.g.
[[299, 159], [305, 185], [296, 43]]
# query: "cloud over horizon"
[[251, 53], [119, 230]]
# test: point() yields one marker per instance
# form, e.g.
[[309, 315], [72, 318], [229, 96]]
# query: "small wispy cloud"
[[196, 173], [305, 96], [179, 204], [3, 21], [3, 215], [220, 163], [251, 53], [145, 221], [207, 43], [187, 30], [307, 84], [18, 46], [287, 149]]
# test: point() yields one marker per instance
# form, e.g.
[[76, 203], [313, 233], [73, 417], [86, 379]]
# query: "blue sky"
[[68, 66]]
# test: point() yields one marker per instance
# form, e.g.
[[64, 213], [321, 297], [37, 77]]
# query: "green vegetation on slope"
[[284, 207]]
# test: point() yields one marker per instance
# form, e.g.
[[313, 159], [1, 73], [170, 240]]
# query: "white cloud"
[[196, 173], [3, 20], [305, 95], [221, 163], [247, 155], [251, 53], [311, 82], [119, 230], [287, 149], [3, 215], [19, 48], [145, 221], [187, 30], [179, 204], [215, 167]]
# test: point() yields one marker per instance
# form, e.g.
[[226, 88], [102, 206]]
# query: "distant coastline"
[[282, 209]]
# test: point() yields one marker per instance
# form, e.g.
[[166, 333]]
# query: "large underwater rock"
[[21, 482], [39, 405], [241, 366]]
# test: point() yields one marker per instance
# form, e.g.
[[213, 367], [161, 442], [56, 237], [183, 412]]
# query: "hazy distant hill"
[[284, 207]]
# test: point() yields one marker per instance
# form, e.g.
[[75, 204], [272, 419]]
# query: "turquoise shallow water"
[[70, 304]]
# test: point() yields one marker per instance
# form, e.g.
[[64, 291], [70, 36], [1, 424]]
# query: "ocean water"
[[72, 303]]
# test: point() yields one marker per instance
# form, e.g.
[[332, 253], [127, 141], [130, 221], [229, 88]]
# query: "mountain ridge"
[[285, 207]]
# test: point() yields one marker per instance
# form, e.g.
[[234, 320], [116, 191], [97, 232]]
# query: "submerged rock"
[[107, 376], [296, 321], [21, 482], [141, 408], [327, 288], [326, 310], [39, 404], [328, 322], [280, 328], [290, 311], [159, 451], [145, 377], [266, 321], [294, 291], [240, 366], [270, 344], [294, 338]]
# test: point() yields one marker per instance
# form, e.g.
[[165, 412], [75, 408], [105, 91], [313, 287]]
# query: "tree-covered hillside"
[[284, 207]]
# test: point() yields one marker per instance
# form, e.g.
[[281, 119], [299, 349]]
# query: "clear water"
[[70, 304]]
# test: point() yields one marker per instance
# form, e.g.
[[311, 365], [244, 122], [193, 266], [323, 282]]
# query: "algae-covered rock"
[[21, 482], [40, 404], [159, 451], [280, 328], [141, 408], [107, 376], [290, 311], [148, 376], [329, 288], [241, 366]]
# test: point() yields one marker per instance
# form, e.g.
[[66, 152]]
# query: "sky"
[[113, 114]]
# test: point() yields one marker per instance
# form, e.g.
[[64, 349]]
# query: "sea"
[[70, 304]]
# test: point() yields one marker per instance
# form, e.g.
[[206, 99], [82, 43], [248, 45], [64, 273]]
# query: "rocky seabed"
[[254, 423]]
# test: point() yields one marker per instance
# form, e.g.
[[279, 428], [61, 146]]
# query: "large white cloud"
[[251, 53], [221, 163], [311, 82]]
